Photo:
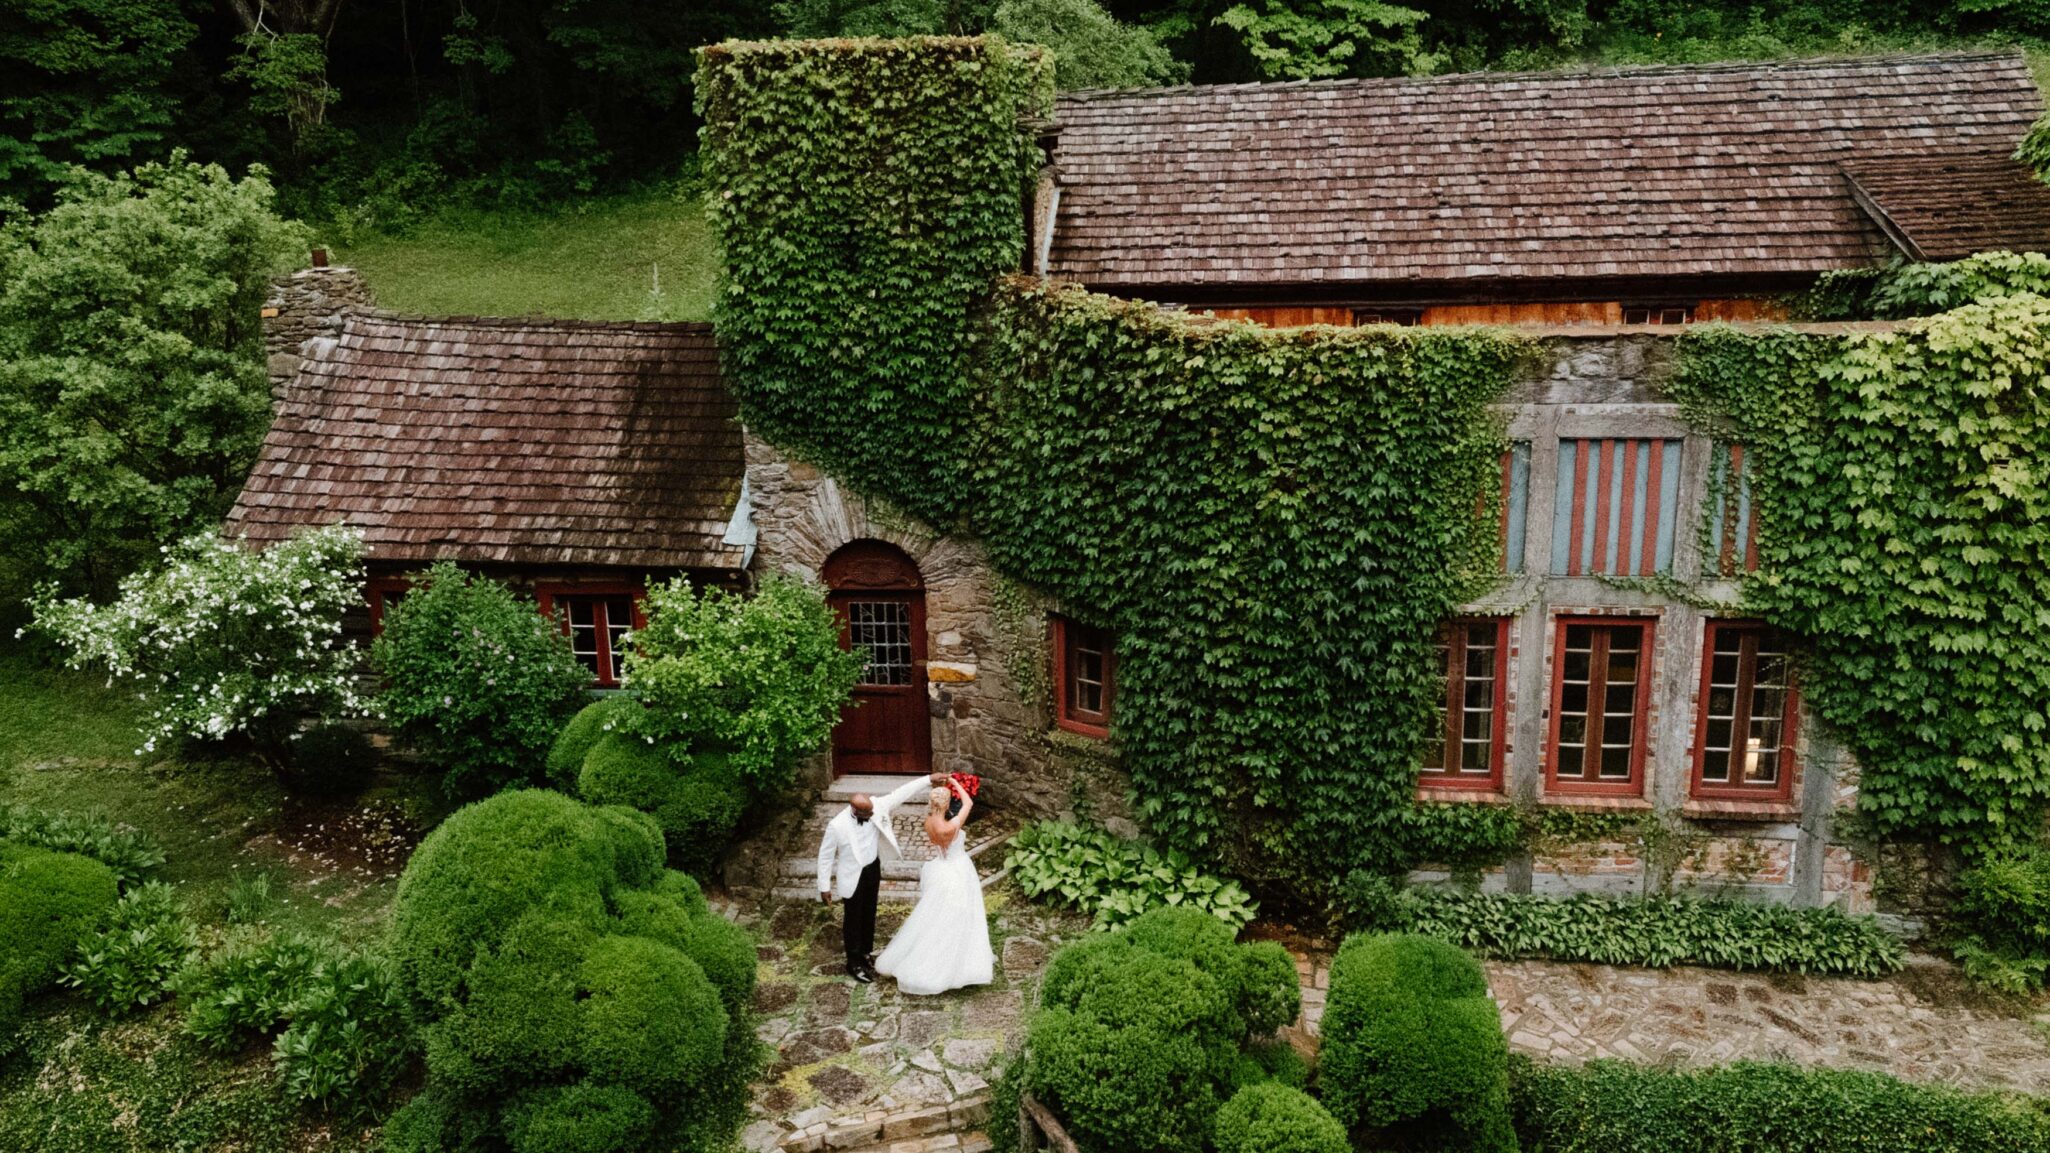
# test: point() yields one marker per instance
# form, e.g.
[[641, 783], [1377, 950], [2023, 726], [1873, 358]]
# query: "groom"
[[850, 856]]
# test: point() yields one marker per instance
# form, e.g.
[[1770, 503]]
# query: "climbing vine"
[[1274, 522], [1902, 487]]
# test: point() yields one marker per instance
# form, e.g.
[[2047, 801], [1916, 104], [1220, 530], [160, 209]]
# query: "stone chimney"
[[306, 306]]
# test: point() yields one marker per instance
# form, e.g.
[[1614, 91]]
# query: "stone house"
[[1603, 210]]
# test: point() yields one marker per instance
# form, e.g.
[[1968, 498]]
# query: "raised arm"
[[953, 824], [904, 792]]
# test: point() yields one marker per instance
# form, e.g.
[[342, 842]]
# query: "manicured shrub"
[[1413, 1053], [351, 1033], [49, 901], [1654, 932], [580, 1118], [1274, 1118], [590, 725], [130, 960], [694, 799], [1142, 1032], [476, 679], [1279, 1062], [1117, 880], [1612, 1107], [330, 760], [562, 975], [130, 852], [2003, 920]]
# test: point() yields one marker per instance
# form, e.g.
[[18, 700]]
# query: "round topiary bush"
[[1122, 1090], [1413, 1053], [697, 801], [1273, 1118], [48, 901], [330, 760], [591, 724], [563, 975], [699, 818], [580, 1118], [627, 770]]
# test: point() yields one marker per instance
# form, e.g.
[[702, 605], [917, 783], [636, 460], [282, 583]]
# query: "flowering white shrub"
[[223, 639]]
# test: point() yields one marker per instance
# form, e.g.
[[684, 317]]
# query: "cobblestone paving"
[[864, 1066], [1922, 1025]]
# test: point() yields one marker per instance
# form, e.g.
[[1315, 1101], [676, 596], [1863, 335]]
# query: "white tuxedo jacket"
[[841, 855]]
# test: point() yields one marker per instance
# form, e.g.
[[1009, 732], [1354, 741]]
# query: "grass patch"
[[596, 260]]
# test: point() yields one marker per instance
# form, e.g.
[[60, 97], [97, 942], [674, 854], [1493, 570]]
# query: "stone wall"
[[988, 665]]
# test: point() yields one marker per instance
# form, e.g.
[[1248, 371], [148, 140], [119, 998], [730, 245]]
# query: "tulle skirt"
[[944, 943]]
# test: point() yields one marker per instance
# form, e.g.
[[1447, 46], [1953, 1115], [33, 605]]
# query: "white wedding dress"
[[944, 943]]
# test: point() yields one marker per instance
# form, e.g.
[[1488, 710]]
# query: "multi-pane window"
[[1617, 505], [384, 595], [1407, 317], [1601, 678], [880, 632], [1736, 526], [597, 633], [1468, 751], [1744, 736], [1657, 314], [1085, 675]]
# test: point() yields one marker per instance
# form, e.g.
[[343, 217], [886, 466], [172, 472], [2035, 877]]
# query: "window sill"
[[1083, 729], [1461, 794], [1610, 802], [1741, 810]]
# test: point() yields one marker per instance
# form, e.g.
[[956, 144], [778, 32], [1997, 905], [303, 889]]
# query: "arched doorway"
[[879, 596]]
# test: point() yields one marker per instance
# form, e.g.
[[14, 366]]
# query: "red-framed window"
[[597, 619], [1601, 696], [383, 593], [1407, 317], [1744, 733], [1658, 313], [1469, 751], [1085, 677]]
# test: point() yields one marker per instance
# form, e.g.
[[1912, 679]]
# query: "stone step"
[[975, 1141], [892, 892]]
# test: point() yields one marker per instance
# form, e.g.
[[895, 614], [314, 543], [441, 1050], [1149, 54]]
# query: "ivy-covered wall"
[[1274, 523], [1902, 482]]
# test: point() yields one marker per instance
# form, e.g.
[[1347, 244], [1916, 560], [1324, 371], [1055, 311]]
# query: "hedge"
[[1613, 1107], [49, 900], [1273, 1118], [1413, 1048]]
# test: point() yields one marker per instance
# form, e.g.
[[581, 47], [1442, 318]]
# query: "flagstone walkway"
[[1924, 1024]]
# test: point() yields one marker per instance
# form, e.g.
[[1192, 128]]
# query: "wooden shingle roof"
[[1947, 207], [527, 442], [1727, 170]]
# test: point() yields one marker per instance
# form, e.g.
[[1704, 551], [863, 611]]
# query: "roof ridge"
[[531, 323], [1566, 73]]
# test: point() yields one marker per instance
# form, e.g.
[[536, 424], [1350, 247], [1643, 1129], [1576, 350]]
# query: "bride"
[[944, 944]]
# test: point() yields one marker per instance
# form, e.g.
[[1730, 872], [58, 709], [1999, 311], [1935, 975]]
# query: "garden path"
[[866, 1068], [1924, 1024]]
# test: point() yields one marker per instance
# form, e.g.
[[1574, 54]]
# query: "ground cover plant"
[[1116, 880], [2002, 934], [1143, 1033], [573, 991], [1612, 1107], [1653, 932]]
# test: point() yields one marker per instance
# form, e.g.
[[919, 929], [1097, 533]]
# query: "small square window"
[[1085, 677], [1406, 317], [1658, 313], [598, 622]]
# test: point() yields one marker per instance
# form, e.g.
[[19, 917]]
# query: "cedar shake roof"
[[1729, 170], [1948, 207], [529, 442]]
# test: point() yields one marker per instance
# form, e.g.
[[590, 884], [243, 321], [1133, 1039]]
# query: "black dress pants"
[[859, 931]]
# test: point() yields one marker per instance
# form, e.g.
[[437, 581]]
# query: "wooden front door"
[[880, 599]]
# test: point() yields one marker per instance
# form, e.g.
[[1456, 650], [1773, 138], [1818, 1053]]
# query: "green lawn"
[[596, 261], [81, 1082]]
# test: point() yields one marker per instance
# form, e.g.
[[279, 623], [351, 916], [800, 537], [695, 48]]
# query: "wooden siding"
[[1579, 313]]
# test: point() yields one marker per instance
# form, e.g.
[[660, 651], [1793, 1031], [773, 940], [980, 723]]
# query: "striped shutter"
[[1736, 529], [1618, 506]]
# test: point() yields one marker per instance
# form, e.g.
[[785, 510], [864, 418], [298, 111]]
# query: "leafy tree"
[[132, 385], [224, 640], [1091, 49], [477, 679], [763, 676], [1329, 37], [813, 19], [86, 82]]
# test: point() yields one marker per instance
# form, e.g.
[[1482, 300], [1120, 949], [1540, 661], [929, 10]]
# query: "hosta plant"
[[1117, 880]]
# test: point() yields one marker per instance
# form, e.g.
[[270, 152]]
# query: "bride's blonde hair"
[[940, 797]]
